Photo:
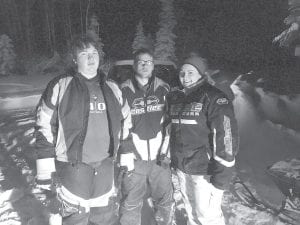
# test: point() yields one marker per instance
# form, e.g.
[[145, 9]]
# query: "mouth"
[[187, 83]]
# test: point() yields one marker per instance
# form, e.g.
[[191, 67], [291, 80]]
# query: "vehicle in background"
[[165, 70]]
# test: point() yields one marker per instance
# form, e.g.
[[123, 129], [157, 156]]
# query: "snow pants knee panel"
[[134, 188]]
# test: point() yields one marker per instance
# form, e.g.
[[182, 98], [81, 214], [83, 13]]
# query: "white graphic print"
[[95, 106], [139, 106], [222, 101], [192, 109]]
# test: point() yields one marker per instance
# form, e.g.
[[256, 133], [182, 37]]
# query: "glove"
[[164, 161], [127, 160], [45, 168]]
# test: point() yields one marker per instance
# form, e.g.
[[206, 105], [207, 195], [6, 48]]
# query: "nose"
[[90, 56], [183, 76]]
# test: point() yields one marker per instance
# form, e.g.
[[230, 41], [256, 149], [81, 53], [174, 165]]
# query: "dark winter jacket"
[[147, 106], [204, 136], [62, 118]]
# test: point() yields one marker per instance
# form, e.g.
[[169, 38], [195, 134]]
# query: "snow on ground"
[[17, 204], [262, 141], [280, 109], [19, 92], [267, 137], [290, 168]]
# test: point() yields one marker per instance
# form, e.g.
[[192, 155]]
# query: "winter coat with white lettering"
[[62, 118], [147, 106], [204, 135]]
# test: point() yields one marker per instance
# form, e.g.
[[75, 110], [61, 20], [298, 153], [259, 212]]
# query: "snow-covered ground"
[[269, 127]]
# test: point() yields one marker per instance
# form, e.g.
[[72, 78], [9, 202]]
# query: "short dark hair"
[[81, 42], [142, 51]]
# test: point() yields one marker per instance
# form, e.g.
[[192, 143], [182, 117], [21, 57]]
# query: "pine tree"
[[292, 33], [150, 41], [93, 31], [165, 38], [140, 40], [7, 55]]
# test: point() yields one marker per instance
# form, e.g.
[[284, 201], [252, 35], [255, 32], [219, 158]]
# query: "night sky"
[[233, 33]]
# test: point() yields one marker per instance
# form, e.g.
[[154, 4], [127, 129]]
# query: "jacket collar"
[[100, 77], [144, 88], [195, 86]]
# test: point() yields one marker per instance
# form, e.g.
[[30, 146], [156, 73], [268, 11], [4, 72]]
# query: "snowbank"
[[19, 102], [262, 141]]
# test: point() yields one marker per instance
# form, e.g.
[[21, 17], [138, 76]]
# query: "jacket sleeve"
[[166, 125], [223, 139], [126, 143], [46, 122]]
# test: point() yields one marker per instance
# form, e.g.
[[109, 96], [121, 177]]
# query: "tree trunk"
[[69, 19], [87, 16], [50, 25], [81, 18], [47, 25], [16, 20], [27, 28], [5, 10]]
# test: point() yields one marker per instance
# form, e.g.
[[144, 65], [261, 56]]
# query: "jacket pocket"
[[196, 162]]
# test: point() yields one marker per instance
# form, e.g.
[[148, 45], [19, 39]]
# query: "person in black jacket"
[[203, 142], [145, 95], [82, 122]]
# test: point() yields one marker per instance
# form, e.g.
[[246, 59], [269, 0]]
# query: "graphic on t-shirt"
[[139, 106], [97, 139], [95, 106]]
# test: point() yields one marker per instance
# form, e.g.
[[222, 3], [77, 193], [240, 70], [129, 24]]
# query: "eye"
[[181, 74], [149, 62], [83, 54]]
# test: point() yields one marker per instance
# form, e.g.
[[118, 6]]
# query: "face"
[[144, 66], [87, 61], [189, 75]]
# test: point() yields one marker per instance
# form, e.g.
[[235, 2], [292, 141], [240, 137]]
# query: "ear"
[[75, 62]]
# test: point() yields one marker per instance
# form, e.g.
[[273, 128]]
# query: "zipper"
[[179, 122], [148, 142], [84, 123]]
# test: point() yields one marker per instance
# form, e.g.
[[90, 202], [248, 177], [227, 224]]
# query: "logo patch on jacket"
[[197, 107], [151, 105], [222, 101], [192, 109]]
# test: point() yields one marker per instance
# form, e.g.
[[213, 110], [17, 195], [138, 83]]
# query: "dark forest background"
[[232, 34]]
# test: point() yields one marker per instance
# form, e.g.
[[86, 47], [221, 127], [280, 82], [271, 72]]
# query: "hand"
[[47, 187], [164, 161], [127, 160], [45, 170], [217, 191], [49, 184]]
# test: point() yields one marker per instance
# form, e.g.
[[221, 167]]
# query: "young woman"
[[203, 142]]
